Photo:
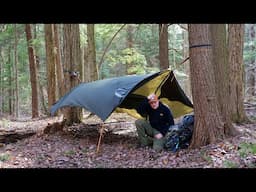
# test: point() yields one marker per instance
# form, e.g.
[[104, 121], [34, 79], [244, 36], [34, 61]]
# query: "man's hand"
[[158, 136]]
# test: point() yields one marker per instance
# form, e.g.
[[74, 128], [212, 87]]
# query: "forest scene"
[[214, 65]]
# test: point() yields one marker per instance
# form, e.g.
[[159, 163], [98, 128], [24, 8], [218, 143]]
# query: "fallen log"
[[13, 136]]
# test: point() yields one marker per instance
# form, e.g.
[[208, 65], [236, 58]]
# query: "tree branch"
[[101, 60], [179, 64], [174, 50]]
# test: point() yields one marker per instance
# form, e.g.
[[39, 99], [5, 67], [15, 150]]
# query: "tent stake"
[[101, 133]]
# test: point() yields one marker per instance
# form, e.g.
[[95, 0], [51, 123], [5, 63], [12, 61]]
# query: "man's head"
[[153, 101]]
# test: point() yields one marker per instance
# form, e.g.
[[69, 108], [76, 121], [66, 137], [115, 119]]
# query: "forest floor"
[[77, 146]]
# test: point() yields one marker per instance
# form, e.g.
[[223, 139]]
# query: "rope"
[[202, 45]]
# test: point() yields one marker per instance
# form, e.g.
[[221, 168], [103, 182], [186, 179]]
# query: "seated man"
[[153, 130]]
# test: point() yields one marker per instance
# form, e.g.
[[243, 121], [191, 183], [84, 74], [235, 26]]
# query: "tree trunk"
[[86, 70], [42, 104], [163, 46], [1, 86], [33, 72], [209, 127], [221, 73], [72, 64], [59, 66], [50, 60], [1, 83], [187, 82], [129, 42], [16, 106], [41, 92], [9, 69], [91, 54], [251, 80], [236, 91]]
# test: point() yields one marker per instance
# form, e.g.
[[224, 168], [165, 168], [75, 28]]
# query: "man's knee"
[[139, 122], [158, 136]]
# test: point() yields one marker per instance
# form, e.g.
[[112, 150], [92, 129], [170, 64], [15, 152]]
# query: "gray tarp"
[[102, 97]]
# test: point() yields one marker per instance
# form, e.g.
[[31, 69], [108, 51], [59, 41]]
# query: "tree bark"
[[50, 60], [1, 86], [33, 72], [221, 73], [16, 106], [10, 76], [59, 66], [91, 54], [187, 83], [129, 44], [236, 91], [251, 70], [163, 46], [72, 67], [209, 127], [2, 98]]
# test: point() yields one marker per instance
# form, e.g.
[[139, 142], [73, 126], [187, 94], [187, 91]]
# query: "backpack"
[[179, 135]]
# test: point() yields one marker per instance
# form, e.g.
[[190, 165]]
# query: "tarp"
[[102, 97]]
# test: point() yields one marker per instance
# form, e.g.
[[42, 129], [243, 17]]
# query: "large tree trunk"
[[163, 46], [221, 73], [33, 72], [72, 64], [236, 91], [209, 127], [50, 60]]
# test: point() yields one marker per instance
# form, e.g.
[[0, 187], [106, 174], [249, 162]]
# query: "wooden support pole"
[[101, 134]]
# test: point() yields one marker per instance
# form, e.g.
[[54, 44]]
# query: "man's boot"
[[158, 144]]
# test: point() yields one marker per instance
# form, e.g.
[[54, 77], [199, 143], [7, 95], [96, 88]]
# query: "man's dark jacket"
[[160, 119]]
